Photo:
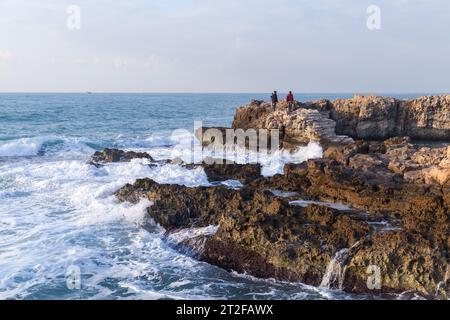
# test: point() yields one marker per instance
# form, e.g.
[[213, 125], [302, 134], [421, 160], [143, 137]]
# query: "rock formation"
[[370, 118], [222, 170], [405, 234], [396, 192], [380, 118], [116, 155]]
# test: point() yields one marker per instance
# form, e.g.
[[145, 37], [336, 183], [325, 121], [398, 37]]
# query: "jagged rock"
[[404, 262], [423, 165], [177, 206], [222, 170], [259, 232], [380, 118], [251, 116], [217, 169], [398, 194], [265, 236], [368, 117], [427, 118], [116, 155]]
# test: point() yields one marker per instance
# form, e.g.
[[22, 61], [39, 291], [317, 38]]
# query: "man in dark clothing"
[[290, 101], [274, 99]]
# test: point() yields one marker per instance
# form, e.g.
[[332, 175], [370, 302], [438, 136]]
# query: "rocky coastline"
[[377, 204]]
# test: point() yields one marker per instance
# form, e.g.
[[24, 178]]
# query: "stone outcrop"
[[116, 155], [380, 118], [305, 123], [222, 170], [259, 232], [423, 165], [266, 236], [377, 202], [362, 117]]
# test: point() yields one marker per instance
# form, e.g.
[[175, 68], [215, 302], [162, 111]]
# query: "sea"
[[63, 234]]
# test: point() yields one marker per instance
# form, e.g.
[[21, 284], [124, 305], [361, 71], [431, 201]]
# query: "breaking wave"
[[21, 147], [68, 215]]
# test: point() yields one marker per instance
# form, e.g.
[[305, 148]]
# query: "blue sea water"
[[58, 214]]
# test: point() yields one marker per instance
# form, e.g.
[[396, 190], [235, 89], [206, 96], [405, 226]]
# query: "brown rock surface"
[[380, 118], [221, 170], [398, 193], [362, 117], [264, 235], [116, 155]]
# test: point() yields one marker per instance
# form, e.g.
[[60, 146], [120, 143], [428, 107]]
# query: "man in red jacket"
[[290, 101]]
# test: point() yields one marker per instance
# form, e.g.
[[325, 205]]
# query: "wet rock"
[[177, 206], [116, 155], [258, 232], [217, 169], [397, 194], [403, 262], [262, 234], [222, 170]]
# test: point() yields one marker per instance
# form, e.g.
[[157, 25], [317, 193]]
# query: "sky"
[[224, 46]]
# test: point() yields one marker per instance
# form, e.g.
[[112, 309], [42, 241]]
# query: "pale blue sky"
[[225, 46]]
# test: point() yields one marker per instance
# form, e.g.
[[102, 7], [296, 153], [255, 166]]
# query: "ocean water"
[[59, 218]]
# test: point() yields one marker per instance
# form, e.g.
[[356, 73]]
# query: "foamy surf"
[[21, 147], [57, 213], [68, 216]]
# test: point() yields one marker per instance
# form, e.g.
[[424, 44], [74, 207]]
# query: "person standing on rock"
[[274, 99], [290, 101]]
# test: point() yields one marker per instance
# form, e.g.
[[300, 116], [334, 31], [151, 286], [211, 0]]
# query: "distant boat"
[[89, 92]]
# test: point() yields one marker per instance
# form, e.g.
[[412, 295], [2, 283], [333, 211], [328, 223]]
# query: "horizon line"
[[218, 92]]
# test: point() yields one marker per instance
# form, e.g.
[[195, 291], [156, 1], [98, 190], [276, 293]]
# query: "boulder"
[[116, 155]]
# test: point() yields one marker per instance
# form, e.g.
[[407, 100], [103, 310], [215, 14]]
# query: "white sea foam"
[[57, 211], [272, 163], [305, 203], [67, 203], [21, 147], [190, 233], [57, 147]]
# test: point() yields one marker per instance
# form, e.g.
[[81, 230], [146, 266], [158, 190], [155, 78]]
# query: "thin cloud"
[[6, 55], [225, 45]]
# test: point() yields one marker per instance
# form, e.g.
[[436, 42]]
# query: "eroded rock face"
[[367, 117], [427, 118], [381, 118], [259, 232], [222, 170], [116, 155], [251, 116], [399, 193], [362, 117], [305, 123], [264, 235], [177, 206], [404, 262], [422, 165]]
